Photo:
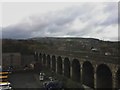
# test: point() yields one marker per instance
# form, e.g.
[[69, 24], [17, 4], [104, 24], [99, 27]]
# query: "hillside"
[[63, 44]]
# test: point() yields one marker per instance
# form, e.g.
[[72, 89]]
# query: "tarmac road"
[[24, 80]]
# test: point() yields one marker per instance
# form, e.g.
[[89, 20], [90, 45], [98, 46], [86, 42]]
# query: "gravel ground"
[[31, 80]]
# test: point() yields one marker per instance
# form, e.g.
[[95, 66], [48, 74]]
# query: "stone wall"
[[16, 60], [27, 59], [9, 59]]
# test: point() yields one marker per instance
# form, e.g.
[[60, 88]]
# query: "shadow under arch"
[[118, 79], [40, 58], [44, 59], [67, 67], [53, 63], [104, 77], [88, 74], [76, 70], [48, 61], [59, 65]]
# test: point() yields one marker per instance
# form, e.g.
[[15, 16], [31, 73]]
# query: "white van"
[[5, 86]]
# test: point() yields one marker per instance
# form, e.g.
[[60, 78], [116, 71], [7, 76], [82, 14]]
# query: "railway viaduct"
[[90, 69]]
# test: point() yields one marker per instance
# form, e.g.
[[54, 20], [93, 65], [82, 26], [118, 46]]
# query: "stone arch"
[[76, 70], [104, 77], [118, 79], [36, 56], [53, 63], [44, 59], [88, 74], [48, 61], [40, 58], [67, 67], [59, 65]]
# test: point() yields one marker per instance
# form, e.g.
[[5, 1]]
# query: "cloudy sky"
[[60, 19]]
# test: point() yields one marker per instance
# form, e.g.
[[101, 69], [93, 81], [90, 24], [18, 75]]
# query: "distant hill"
[[58, 43]]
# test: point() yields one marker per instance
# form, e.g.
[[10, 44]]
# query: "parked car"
[[41, 76], [53, 84], [10, 69]]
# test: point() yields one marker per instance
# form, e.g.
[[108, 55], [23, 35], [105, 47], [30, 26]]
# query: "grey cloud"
[[15, 32], [59, 23], [113, 16]]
